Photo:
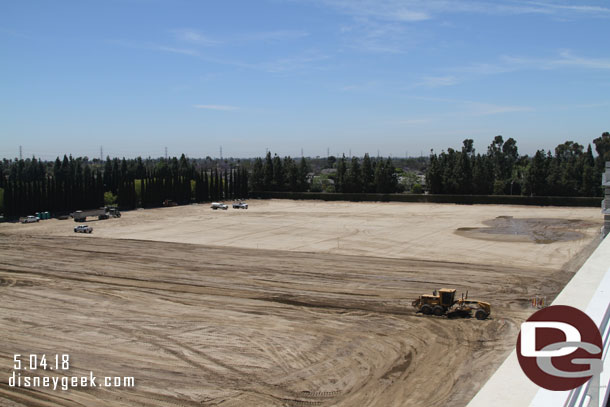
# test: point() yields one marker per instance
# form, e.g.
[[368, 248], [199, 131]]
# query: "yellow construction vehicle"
[[443, 302]]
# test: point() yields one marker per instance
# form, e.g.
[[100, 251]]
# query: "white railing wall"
[[589, 291]]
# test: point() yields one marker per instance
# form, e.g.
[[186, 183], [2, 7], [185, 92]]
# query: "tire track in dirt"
[[207, 325]]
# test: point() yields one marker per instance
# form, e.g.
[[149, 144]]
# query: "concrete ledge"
[[508, 386], [599, 311]]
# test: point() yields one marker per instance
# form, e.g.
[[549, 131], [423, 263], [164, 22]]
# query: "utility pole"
[[327, 152], [221, 152], [350, 153], [166, 153], [20, 153], [301, 152], [101, 153]]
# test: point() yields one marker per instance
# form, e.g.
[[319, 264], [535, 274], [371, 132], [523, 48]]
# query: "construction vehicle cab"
[[443, 302], [447, 297], [436, 303]]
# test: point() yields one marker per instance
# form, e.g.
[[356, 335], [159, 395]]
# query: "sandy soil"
[[285, 304]]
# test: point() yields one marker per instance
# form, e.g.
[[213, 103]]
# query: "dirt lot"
[[287, 303]]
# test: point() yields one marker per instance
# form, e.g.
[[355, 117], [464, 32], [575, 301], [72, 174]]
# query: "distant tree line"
[[32, 185], [353, 175], [570, 171], [276, 174], [29, 188], [366, 175]]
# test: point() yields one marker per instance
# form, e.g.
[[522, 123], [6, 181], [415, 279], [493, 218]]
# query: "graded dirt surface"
[[287, 303]]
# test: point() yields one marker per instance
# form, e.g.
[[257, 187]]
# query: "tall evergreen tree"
[[602, 146], [341, 175], [537, 174], [268, 172], [292, 174], [434, 177], [367, 174], [302, 184], [257, 176], [354, 177], [279, 175]]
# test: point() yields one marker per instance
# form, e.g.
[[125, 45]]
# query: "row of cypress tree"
[[71, 184], [203, 186], [366, 175]]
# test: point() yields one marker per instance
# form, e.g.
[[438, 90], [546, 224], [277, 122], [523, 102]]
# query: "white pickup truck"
[[218, 205], [240, 205], [29, 219], [83, 229]]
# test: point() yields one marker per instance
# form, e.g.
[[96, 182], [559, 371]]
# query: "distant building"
[[422, 179]]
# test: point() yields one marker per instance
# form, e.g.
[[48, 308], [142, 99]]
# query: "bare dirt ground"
[[286, 304]]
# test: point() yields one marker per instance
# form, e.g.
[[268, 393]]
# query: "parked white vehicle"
[[83, 229], [29, 219], [240, 205], [218, 205]]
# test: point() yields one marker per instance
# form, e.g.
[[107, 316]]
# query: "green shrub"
[[109, 198]]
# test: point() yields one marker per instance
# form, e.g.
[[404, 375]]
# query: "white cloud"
[[438, 81], [193, 36], [414, 121], [383, 26], [156, 47], [365, 34], [564, 59], [216, 107], [460, 107], [299, 62], [580, 106], [184, 51], [277, 35], [359, 87], [567, 59], [196, 37], [575, 8], [389, 10], [506, 64], [379, 25], [420, 10], [487, 109]]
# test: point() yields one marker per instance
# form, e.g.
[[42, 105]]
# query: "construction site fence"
[[435, 198]]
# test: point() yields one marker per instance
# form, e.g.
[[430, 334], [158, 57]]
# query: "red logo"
[[559, 348]]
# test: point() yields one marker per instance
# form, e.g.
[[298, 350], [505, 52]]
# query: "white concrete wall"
[[589, 291]]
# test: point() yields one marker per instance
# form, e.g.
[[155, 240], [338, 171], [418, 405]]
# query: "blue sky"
[[136, 76]]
